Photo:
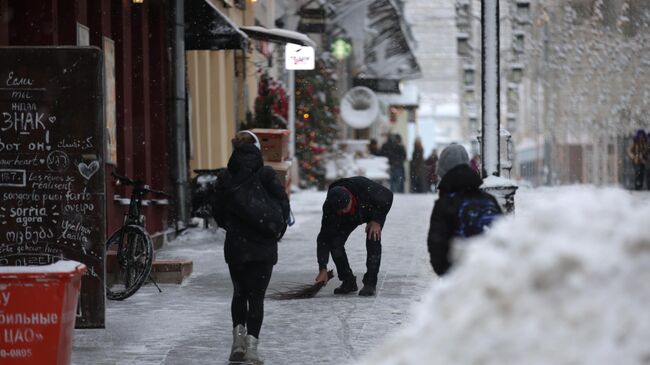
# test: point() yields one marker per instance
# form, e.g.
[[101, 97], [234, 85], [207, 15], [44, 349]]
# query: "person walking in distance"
[[352, 202], [475, 163], [638, 153], [431, 166], [647, 162], [417, 169], [373, 147], [396, 154], [250, 251]]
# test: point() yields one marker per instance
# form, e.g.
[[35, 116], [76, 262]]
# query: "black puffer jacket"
[[444, 218], [244, 244], [373, 203]]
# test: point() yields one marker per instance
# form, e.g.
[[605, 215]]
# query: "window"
[[468, 76], [463, 15], [516, 72], [464, 48], [523, 11], [473, 124], [513, 97], [511, 123], [518, 43]]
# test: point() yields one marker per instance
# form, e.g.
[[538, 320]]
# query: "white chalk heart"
[[87, 171], [52, 119]]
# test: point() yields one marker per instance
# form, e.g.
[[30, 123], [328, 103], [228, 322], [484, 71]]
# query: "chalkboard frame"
[[55, 130]]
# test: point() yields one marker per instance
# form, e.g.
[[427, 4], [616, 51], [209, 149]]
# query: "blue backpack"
[[475, 212]]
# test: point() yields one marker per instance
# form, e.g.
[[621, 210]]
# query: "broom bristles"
[[303, 291]]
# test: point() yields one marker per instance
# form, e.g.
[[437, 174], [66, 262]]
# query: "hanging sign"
[[299, 57]]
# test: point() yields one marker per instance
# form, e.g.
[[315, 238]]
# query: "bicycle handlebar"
[[137, 184], [122, 179], [157, 192]]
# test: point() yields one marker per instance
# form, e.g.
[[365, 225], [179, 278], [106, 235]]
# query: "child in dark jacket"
[[459, 183], [250, 255], [351, 202]]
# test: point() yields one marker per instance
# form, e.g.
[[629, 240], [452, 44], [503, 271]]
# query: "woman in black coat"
[[249, 254]]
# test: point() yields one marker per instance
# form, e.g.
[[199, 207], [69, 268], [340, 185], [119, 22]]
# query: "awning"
[[383, 44], [207, 28], [278, 35]]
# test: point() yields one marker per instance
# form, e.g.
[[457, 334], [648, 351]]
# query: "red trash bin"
[[38, 311]]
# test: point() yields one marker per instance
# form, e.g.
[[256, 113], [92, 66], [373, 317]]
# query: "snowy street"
[[190, 323], [125, 121], [570, 265], [567, 272]]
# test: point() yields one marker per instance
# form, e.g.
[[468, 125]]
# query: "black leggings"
[[249, 281], [639, 172]]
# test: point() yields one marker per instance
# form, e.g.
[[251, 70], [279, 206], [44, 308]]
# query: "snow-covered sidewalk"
[[563, 281], [190, 323]]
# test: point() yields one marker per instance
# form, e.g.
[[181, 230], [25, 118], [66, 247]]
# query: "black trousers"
[[249, 281], [639, 174], [373, 260]]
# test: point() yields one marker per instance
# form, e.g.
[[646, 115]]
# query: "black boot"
[[348, 286], [367, 291]]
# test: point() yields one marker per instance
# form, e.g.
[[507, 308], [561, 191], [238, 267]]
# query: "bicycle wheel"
[[129, 254]]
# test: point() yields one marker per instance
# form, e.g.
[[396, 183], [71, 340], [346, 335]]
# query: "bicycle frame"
[[133, 216], [129, 253]]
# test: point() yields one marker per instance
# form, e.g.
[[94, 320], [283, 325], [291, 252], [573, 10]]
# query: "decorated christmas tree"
[[317, 108], [271, 105]]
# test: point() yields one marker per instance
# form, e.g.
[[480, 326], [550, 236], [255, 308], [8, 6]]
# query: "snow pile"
[[59, 267], [497, 182], [566, 283]]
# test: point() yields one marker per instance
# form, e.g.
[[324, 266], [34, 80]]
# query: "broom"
[[302, 291]]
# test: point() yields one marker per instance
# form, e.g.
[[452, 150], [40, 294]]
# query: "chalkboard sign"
[[52, 183]]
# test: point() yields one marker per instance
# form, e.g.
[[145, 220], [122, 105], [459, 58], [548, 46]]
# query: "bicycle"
[[131, 244]]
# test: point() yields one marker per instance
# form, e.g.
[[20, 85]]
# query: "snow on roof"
[[288, 35], [564, 282], [381, 36]]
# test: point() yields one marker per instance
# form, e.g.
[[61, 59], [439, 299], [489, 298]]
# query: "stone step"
[[172, 271]]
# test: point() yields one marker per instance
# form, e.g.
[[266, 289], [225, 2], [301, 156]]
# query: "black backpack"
[[251, 203], [475, 211]]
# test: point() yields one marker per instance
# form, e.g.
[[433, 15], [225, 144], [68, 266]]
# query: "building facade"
[[572, 84], [133, 38]]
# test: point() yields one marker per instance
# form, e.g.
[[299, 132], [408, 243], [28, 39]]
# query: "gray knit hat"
[[452, 156]]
